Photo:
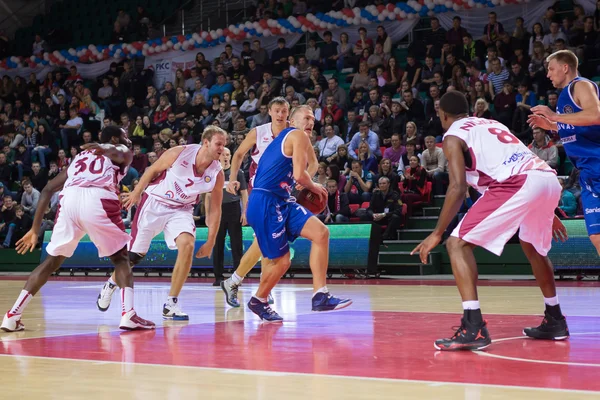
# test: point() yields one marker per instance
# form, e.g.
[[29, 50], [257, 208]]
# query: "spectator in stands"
[[415, 111], [585, 40], [341, 160], [435, 164], [492, 31], [221, 87], [329, 144], [38, 177], [364, 135], [551, 37], [413, 183], [435, 38], [344, 54], [455, 35], [367, 160], [328, 51], [481, 109], [338, 205], [412, 73], [385, 209], [497, 78], [505, 104], [552, 100], [385, 169], [363, 42], [39, 46], [69, 132], [359, 184], [321, 175], [568, 202], [261, 118], [543, 147], [7, 220], [30, 197]]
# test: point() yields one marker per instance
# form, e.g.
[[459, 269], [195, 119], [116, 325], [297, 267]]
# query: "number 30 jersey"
[[494, 154], [90, 170]]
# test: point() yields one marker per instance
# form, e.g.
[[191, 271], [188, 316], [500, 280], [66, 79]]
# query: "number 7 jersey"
[[494, 154], [90, 170]]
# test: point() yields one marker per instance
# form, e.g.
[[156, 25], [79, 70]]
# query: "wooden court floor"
[[381, 347]]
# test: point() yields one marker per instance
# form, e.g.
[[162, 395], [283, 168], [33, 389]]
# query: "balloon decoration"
[[272, 27]]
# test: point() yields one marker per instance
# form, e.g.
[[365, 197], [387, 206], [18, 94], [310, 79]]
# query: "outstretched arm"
[[584, 94]]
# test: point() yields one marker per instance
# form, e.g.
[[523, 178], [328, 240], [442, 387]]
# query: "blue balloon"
[[44, 62], [188, 36], [174, 40], [259, 34], [491, 5], [222, 39]]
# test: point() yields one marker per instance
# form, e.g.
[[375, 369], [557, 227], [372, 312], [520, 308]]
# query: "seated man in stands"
[[385, 209], [435, 164], [338, 205], [359, 184], [544, 148]]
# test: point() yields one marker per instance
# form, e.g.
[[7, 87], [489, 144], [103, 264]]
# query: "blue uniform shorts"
[[275, 222], [590, 199]]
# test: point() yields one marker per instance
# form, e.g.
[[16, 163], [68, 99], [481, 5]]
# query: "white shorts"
[[153, 217], [92, 211], [526, 202]]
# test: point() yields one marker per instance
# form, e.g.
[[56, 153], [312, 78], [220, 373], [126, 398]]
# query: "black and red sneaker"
[[468, 336], [550, 329]]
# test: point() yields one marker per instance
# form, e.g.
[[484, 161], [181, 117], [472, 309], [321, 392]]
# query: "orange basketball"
[[313, 202]]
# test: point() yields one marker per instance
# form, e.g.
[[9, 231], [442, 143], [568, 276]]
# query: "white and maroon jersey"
[[494, 153], [90, 170], [181, 185], [264, 137]]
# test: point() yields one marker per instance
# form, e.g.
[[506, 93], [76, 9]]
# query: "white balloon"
[[430, 13], [145, 46], [228, 39], [259, 30], [381, 17], [169, 44], [329, 26], [100, 56], [495, 2], [235, 31], [72, 51], [46, 56], [357, 20], [220, 32], [356, 11], [110, 47], [32, 58], [417, 7], [134, 51], [205, 34], [144, 52], [303, 27], [456, 7], [448, 4], [150, 50], [410, 16], [284, 31], [177, 46], [471, 3], [164, 47], [402, 14], [196, 37], [267, 33], [385, 13], [231, 27]]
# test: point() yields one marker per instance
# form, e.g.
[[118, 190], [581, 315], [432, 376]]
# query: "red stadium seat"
[[365, 205], [353, 208], [382, 149]]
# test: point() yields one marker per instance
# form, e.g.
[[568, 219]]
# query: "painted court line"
[[304, 374]]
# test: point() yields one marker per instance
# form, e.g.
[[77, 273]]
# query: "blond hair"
[[565, 57]]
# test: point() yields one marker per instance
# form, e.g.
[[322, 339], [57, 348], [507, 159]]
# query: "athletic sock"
[[551, 301], [236, 279], [554, 311], [261, 299], [472, 312], [126, 300], [110, 280], [22, 301], [322, 290]]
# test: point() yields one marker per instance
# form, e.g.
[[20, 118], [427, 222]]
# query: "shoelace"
[[458, 331], [270, 311], [234, 291]]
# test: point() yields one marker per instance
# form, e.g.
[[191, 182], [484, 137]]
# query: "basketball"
[[313, 202]]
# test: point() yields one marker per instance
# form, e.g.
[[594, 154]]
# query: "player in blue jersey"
[[577, 120], [277, 219]]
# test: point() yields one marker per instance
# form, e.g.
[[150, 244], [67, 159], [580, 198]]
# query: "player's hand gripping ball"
[[313, 201]]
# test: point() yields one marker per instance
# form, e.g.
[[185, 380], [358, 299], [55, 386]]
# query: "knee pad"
[[135, 258]]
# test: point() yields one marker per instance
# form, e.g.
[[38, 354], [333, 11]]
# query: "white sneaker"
[[12, 323], [172, 311], [105, 296], [130, 321]]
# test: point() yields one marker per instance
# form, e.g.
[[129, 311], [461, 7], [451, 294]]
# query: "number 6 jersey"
[[90, 170], [494, 154]]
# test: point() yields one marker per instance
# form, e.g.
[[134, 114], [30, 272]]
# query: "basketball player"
[[277, 219], [256, 140], [577, 120], [89, 204], [519, 192], [167, 193]]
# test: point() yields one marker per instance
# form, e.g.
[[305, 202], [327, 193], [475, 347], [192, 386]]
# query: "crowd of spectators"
[[377, 130]]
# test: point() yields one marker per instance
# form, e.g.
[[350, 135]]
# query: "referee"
[[232, 218]]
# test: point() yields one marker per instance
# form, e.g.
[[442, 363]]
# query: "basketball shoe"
[[326, 302], [263, 310], [551, 329], [105, 296], [469, 336], [172, 311], [130, 321], [12, 323], [231, 292]]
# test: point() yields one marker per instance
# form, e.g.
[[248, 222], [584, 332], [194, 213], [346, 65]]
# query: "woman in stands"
[[385, 169], [481, 109], [393, 74], [367, 159], [345, 56], [361, 78], [321, 175], [179, 79], [342, 160], [412, 136], [411, 150], [478, 92], [162, 111], [333, 172], [413, 184]]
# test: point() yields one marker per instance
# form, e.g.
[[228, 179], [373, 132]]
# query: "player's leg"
[[185, 252], [302, 223], [124, 277], [65, 237], [37, 279], [596, 242], [147, 223], [535, 235], [259, 304], [230, 286], [218, 254], [591, 214]]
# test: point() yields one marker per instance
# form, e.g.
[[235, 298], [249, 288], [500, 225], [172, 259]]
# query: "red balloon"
[[398, 17], [467, 7], [165, 39], [263, 23], [421, 2], [458, 2], [209, 38], [241, 35], [391, 7], [380, 8], [226, 31], [180, 38]]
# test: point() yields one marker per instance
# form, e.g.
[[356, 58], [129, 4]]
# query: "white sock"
[[110, 280], [22, 301], [322, 290], [470, 305], [126, 300], [551, 301], [236, 279], [261, 299]]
